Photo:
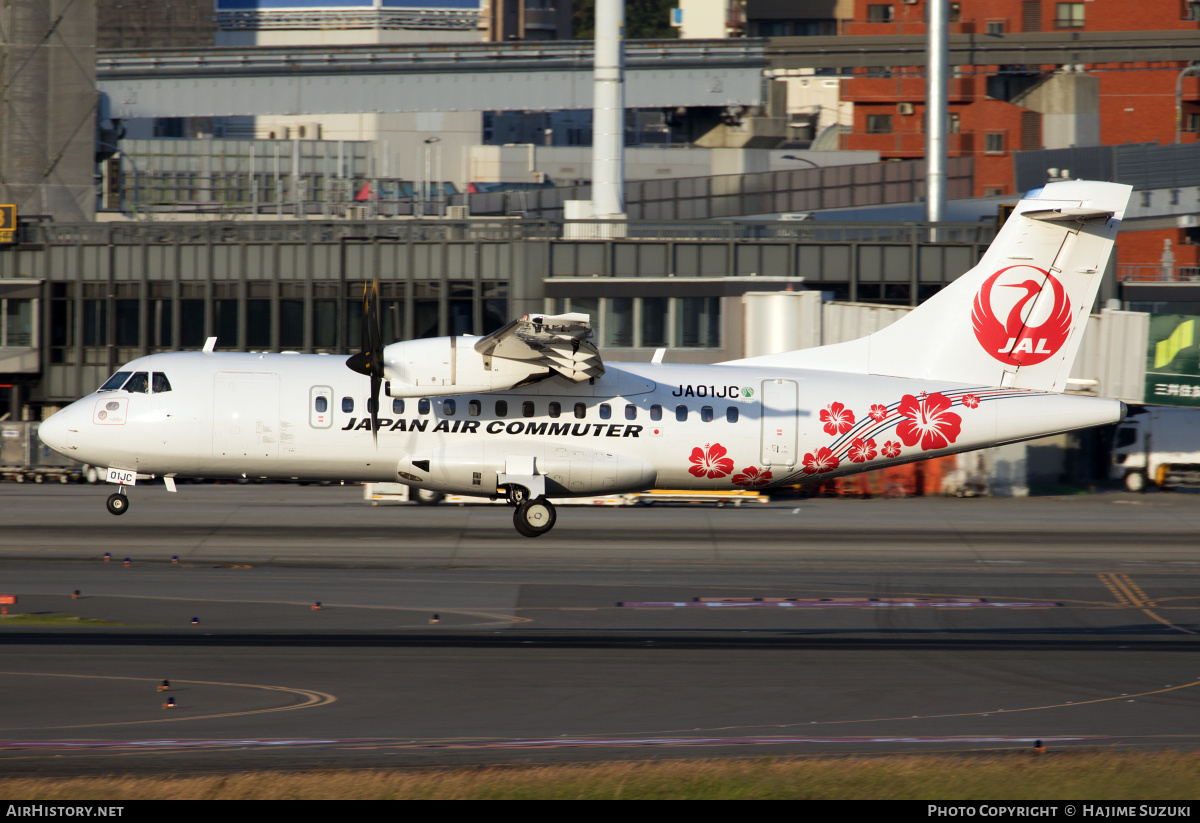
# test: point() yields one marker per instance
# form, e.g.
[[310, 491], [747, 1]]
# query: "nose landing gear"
[[118, 503]]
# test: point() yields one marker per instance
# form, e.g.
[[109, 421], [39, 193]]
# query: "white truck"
[[1157, 446], [25, 458]]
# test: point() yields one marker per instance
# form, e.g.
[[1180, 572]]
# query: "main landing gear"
[[533, 517], [118, 503]]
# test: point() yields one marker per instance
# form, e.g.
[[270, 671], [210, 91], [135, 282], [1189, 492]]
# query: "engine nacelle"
[[438, 366]]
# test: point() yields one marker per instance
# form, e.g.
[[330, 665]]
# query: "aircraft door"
[[780, 421], [320, 407], [246, 414]]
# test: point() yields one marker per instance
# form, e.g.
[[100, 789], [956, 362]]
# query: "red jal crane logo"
[[1016, 341]]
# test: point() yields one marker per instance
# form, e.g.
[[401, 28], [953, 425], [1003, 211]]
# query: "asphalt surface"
[[444, 638]]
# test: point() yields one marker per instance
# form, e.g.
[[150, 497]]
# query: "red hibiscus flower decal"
[[878, 412], [837, 419], [970, 401], [891, 449], [862, 450], [752, 476], [823, 461], [710, 461], [929, 421]]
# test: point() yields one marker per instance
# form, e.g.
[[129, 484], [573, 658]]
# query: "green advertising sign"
[[1173, 360]]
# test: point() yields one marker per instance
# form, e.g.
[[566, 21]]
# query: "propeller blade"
[[369, 361], [376, 382]]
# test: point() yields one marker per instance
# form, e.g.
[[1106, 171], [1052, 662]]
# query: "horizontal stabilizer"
[[1067, 215]]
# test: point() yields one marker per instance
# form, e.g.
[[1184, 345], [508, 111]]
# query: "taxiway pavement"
[[810, 626]]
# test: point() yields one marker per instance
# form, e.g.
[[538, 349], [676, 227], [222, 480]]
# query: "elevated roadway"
[[554, 75], [451, 77], [1016, 48]]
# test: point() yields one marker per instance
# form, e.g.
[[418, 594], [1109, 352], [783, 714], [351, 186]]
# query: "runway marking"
[[1129, 594], [1072, 704], [19, 745], [842, 602], [543, 743], [501, 618], [627, 742], [310, 699]]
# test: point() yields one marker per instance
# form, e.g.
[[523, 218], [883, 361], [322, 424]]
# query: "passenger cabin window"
[[397, 406], [159, 382], [681, 413], [580, 411], [423, 406], [527, 408], [348, 405], [474, 408], [630, 412], [656, 412], [706, 414], [605, 411], [321, 404], [501, 408], [448, 407], [731, 414], [555, 409]]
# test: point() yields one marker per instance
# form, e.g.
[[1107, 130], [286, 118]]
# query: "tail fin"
[[1017, 318]]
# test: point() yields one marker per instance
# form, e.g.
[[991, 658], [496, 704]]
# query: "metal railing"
[[1158, 274], [502, 230]]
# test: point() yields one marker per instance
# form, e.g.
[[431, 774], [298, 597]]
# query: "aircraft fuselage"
[[637, 426]]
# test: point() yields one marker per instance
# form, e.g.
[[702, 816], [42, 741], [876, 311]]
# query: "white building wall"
[[400, 137], [703, 19]]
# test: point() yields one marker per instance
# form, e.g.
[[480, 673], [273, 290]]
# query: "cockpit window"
[[159, 382], [116, 381], [140, 382]]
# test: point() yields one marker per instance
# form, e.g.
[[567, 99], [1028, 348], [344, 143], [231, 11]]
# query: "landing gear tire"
[[425, 497], [533, 518], [1135, 482], [118, 503]]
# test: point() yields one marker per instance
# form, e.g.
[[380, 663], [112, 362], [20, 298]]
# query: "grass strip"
[[13, 620], [1074, 775]]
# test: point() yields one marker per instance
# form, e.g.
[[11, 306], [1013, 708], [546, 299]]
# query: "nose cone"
[[56, 432]]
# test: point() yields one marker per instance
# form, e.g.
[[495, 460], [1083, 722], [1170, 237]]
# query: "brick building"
[[995, 111]]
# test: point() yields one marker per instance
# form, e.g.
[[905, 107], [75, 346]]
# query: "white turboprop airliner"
[[530, 411]]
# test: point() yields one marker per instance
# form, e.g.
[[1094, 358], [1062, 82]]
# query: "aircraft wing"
[[561, 343]]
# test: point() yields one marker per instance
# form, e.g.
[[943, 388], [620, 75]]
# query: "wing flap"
[[558, 342]]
